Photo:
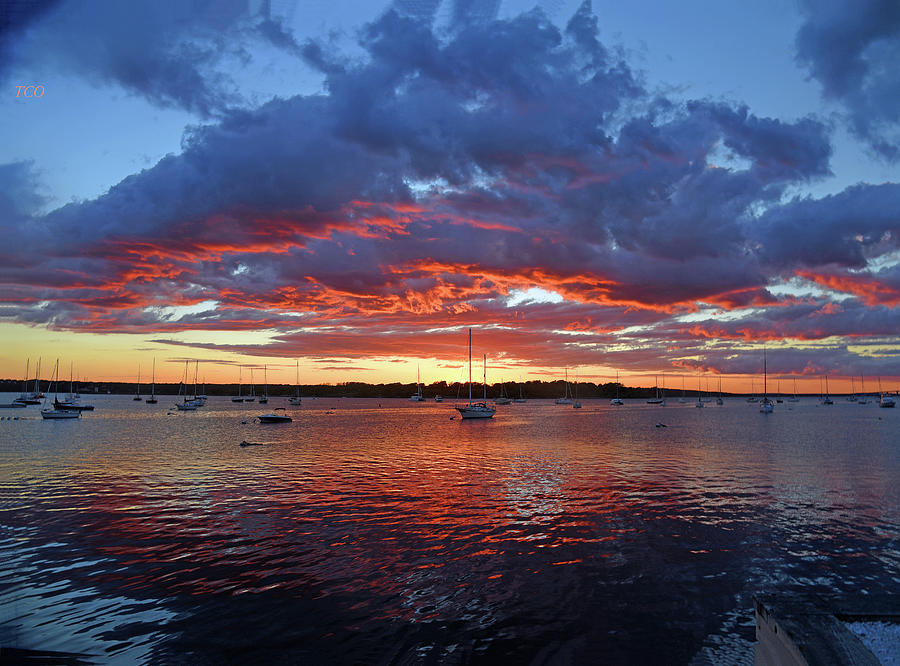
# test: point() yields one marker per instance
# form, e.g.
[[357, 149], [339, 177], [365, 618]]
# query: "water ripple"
[[393, 534]]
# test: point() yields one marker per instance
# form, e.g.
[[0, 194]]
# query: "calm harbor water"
[[383, 531]]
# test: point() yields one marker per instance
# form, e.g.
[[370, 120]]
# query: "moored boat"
[[152, 399], [658, 399], [565, 399], [765, 405], [476, 410], [295, 399], [31, 397], [275, 417], [71, 405], [502, 399], [55, 413], [417, 396], [886, 399]]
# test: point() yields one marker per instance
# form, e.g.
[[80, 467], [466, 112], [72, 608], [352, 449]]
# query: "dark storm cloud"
[[19, 190], [446, 170], [847, 229], [15, 17], [172, 53], [852, 49]]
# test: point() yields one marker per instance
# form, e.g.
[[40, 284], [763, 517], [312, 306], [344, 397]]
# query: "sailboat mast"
[[484, 378], [470, 365], [765, 376]]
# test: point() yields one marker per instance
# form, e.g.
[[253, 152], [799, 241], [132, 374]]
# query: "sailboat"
[[239, 397], [852, 397], [826, 400], [252, 395], [886, 400], [26, 398], [752, 397], [264, 398], [682, 399], [863, 399], [617, 400], [188, 404], [56, 413], [659, 399], [152, 399], [719, 400], [699, 402], [502, 399], [476, 410], [576, 404], [137, 395], [295, 399], [417, 396], [199, 397], [565, 400], [521, 397], [71, 403], [794, 397], [31, 397], [765, 406]]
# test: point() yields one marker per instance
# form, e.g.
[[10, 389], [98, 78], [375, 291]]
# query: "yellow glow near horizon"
[[116, 357]]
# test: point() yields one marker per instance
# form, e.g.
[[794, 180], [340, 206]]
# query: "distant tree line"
[[532, 389]]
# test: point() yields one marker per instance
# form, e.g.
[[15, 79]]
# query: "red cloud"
[[867, 289]]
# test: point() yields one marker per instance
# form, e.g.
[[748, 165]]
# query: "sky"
[[659, 190]]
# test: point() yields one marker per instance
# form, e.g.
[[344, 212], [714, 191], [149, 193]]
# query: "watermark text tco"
[[29, 91]]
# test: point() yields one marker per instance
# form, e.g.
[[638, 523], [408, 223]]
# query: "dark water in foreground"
[[393, 534]]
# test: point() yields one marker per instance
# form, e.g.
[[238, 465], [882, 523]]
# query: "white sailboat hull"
[[59, 414], [476, 411], [274, 418]]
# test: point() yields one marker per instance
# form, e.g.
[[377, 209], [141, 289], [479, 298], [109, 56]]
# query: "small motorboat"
[[275, 417], [71, 405]]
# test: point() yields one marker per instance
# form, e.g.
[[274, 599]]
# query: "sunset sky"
[[649, 187]]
